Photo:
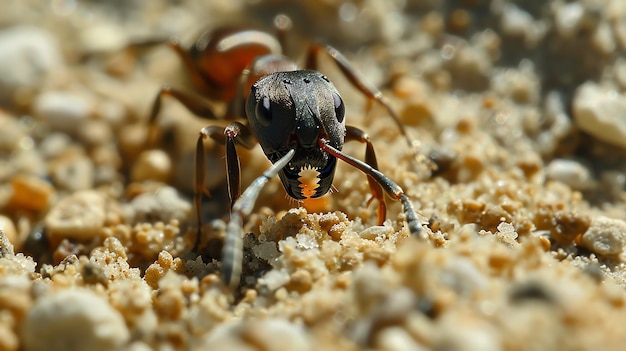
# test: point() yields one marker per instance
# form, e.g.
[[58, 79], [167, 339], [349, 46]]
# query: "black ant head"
[[294, 110]]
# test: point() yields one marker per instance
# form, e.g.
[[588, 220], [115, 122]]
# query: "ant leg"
[[194, 71], [234, 132], [353, 77], [390, 187], [232, 253], [353, 133], [191, 102]]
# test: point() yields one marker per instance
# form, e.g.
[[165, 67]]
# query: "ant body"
[[297, 116]]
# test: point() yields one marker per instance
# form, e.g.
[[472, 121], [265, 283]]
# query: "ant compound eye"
[[263, 112], [340, 109]]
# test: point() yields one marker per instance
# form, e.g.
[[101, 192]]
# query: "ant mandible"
[[297, 116]]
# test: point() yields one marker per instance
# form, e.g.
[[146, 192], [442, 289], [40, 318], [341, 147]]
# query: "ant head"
[[294, 110]]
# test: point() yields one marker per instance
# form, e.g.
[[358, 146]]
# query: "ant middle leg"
[[193, 103]]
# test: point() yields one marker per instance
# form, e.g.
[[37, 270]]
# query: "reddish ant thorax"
[[217, 59]]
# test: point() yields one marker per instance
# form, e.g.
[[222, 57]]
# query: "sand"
[[516, 112]]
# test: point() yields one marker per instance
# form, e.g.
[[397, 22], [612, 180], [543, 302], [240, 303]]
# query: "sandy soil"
[[516, 109]]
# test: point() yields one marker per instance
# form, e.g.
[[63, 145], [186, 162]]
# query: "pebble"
[[600, 112], [27, 55], [6, 247], [11, 133], [152, 165], [605, 236], [30, 193], [258, 334], [8, 228], [570, 172], [568, 18], [79, 216], [103, 37], [63, 111], [73, 172], [462, 276], [73, 320], [95, 133], [54, 144], [397, 339], [515, 21], [521, 85], [163, 205]]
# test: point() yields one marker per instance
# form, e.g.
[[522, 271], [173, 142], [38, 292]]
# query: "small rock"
[[73, 172], [263, 334], [103, 37], [79, 216], [266, 251], [27, 55], [73, 320], [462, 275], [11, 133], [376, 232], [605, 236], [6, 248], [397, 339], [152, 165], [521, 85], [8, 228], [568, 18], [54, 144], [95, 132], [162, 205], [64, 111], [570, 172], [30, 193], [600, 112], [515, 21], [274, 279]]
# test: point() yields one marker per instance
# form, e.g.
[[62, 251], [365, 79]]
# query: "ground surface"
[[519, 105]]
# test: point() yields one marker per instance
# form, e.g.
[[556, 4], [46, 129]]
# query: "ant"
[[296, 115]]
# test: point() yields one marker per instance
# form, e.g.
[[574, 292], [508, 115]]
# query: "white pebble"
[[605, 236], [568, 18], [73, 320], [8, 230], [152, 165], [600, 112], [376, 232], [266, 251], [27, 55], [11, 133], [163, 205], [6, 247], [397, 339], [515, 21], [258, 334], [74, 173], [570, 172], [103, 37], [79, 216], [274, 279], [64, 111]]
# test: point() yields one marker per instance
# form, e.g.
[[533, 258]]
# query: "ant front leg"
[[191, 102], [353, 77], [353, 133], [390, 187], [232, 253], [233, 133]]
